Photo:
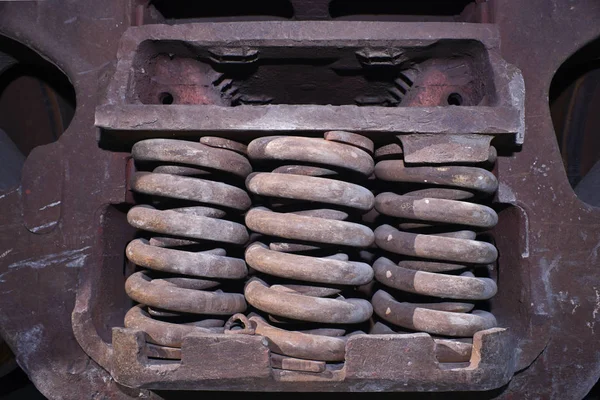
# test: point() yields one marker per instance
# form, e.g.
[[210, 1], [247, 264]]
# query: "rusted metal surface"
[[296, 364], [547, 290], [489, 357], [140, 288], [315, 269], [308, 188], [179, 303], [421, 318], [434, 247], [455, 350], [469, 178], [322, 152], [307, 308], [323, 230], [200, 264], [441, 241], [288, 305], [302, 227], [432, 284], [491, 363], [121, 111], [423, 148], [177, 151], [300, 344], [436, 210], [161, 332]]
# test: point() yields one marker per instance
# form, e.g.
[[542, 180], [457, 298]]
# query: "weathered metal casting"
[[307, 186], [309, 197], [499, 112], [547, 258], [305, 201]]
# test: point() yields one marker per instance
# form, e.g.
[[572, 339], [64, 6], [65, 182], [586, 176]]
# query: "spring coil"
[[436, 241], [307, 223], [183, 265]]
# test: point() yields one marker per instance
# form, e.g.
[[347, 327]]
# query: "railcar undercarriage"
[[302, 196]]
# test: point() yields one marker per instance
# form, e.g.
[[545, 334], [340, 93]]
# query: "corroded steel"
[[437, 240], [171, 299], [72, 255]]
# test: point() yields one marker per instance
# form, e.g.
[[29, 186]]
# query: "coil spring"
[[308, 226], [432, 242], [183, 265]]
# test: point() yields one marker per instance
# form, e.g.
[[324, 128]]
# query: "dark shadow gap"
[[574, 101], [345, 8], [184, 9], [37, 104]]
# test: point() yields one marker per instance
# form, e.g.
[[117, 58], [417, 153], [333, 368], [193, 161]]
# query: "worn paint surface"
[[551, 302]]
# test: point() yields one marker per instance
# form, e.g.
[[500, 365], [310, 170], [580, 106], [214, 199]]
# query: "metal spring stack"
[[435, 252], [196, 192], [312, 202], [306, 256]]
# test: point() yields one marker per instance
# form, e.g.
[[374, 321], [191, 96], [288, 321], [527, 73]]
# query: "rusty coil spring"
[[307, 239], [437, 246], [184, 258]]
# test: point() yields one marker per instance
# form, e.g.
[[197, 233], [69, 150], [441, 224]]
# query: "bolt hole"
[[165, 98], [455, 99]]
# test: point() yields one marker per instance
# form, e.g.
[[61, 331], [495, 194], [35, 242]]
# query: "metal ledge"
[[401, 363], [281, 118]]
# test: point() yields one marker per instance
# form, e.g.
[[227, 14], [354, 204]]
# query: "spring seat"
[[306, 261], [433, 221], [196, 197]]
